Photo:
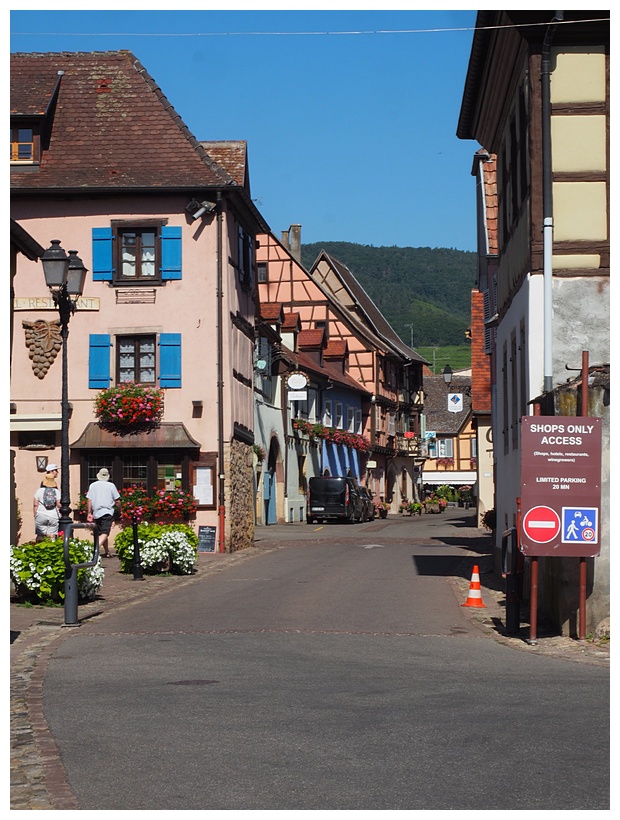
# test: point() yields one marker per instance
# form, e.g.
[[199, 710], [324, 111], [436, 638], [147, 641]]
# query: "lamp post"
[[447, 375], [65, 277]]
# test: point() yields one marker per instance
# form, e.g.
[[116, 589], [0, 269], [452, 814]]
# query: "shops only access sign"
[[561, 485]]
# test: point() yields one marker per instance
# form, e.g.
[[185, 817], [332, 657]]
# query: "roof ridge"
[[178, 120]]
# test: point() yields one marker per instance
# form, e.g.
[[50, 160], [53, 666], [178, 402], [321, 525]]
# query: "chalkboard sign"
[[206, 539]]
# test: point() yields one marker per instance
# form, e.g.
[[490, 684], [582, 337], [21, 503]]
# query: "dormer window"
[[25, 144]]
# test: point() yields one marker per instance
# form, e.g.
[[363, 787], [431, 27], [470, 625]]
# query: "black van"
[[334, 498]]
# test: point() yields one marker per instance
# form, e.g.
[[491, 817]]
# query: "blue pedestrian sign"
[[579, 525]]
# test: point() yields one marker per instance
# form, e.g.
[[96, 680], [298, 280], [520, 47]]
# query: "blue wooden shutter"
[[170, 253], [103, 267], [170, 360], [99, 361]]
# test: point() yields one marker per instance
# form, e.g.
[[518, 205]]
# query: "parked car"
[[369, 504], [334, 498]]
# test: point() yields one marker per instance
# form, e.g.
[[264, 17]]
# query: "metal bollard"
[[137, 566], [71, 587]]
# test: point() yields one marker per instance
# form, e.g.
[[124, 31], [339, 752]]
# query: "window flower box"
[[129, 409]]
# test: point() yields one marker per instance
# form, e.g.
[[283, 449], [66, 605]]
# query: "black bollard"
[[137, 566]]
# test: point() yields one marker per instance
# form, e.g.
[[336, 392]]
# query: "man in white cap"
[[103, 498]]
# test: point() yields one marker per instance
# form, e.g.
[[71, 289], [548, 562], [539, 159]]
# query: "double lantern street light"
[[65, 276]]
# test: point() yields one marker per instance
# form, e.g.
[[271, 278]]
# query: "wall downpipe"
[[220, 386], [547, 173]]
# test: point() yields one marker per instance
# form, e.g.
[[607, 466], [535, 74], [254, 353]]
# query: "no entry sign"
[[541, 524], [560, 485]]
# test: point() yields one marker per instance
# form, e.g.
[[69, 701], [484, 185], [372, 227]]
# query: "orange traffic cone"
[[475, 596]]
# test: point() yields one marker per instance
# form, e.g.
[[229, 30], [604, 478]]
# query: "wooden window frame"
[[136, 338], [35, 143], [139, 227]]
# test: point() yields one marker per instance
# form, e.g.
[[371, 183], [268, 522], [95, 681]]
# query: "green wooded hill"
[[429, 288]]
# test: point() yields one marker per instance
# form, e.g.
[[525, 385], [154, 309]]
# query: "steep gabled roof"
[[111, 127], [232, 157], [366, 311], [438, 417]]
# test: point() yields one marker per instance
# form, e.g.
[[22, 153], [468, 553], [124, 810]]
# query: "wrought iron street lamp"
[[447, 375], [65, 277]]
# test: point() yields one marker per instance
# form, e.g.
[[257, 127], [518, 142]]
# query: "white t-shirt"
[[102, 495], [39, 497]]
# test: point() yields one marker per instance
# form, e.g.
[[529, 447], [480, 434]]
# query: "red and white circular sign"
[[541, 524]]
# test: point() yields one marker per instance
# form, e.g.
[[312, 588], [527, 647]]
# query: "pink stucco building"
[[166, 227]]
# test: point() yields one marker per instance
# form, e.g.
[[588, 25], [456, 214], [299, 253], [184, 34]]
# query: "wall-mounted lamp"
[[41, 463], [196, 209], [447, 375], [373, 399]]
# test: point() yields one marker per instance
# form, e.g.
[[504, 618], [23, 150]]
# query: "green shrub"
[[38, 570], [163, 548]]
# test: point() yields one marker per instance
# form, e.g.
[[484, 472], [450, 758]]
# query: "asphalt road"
[[336, 672]]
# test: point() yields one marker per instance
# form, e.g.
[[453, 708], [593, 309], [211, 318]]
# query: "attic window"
[[25, 144]]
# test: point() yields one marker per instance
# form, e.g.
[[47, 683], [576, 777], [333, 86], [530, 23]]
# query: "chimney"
[[295, 243], [291, 240]]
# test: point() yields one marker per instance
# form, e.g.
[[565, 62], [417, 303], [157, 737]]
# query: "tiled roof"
[[302, 361], [291, 321], [336, 348], [112, 127], [231, 156], [311, 338], [489, 172], [438, 417], [271, 311]]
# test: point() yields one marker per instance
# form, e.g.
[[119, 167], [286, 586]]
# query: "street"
[[336, 670]]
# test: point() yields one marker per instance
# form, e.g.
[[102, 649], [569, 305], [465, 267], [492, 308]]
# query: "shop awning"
[[168, 436], [452, 477]]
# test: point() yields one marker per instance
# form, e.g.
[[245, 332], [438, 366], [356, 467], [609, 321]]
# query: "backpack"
[[49, 498]]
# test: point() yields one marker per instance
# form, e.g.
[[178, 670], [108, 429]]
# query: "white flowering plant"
[[163, 548], [38, 570]]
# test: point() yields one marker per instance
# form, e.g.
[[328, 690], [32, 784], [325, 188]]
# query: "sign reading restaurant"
[[561, 485], [47, 303]]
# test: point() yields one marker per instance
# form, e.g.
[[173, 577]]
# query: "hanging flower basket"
[[129, 409]]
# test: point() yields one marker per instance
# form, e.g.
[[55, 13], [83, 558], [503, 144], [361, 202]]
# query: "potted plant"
[[129, 409], [415, 508], [382, 508]]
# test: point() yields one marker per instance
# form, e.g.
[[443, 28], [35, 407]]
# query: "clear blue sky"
[[352, 135]]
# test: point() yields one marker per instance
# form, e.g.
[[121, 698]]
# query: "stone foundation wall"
[[239, 496]]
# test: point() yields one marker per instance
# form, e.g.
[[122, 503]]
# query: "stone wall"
[[239, 497]]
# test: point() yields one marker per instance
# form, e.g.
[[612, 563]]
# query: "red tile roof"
[[291, 321], [111, 126], [336, 348], [311, 338], [271, 311]]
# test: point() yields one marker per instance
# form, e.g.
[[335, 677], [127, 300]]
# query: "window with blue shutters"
[[137, 253], [142, 358]]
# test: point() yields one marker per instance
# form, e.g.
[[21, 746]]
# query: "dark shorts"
[[104, 524]]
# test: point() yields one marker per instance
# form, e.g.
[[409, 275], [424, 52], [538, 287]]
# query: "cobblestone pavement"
[[38, 779]]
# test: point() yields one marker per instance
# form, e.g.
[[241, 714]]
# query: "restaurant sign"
[[561, 485]]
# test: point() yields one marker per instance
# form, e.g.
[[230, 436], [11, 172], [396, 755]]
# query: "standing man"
[[103, 498]]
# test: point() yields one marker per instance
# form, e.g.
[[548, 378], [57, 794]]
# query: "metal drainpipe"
[[545, 78], [220, 386]]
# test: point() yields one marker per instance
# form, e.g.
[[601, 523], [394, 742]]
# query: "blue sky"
[[352, 135]]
